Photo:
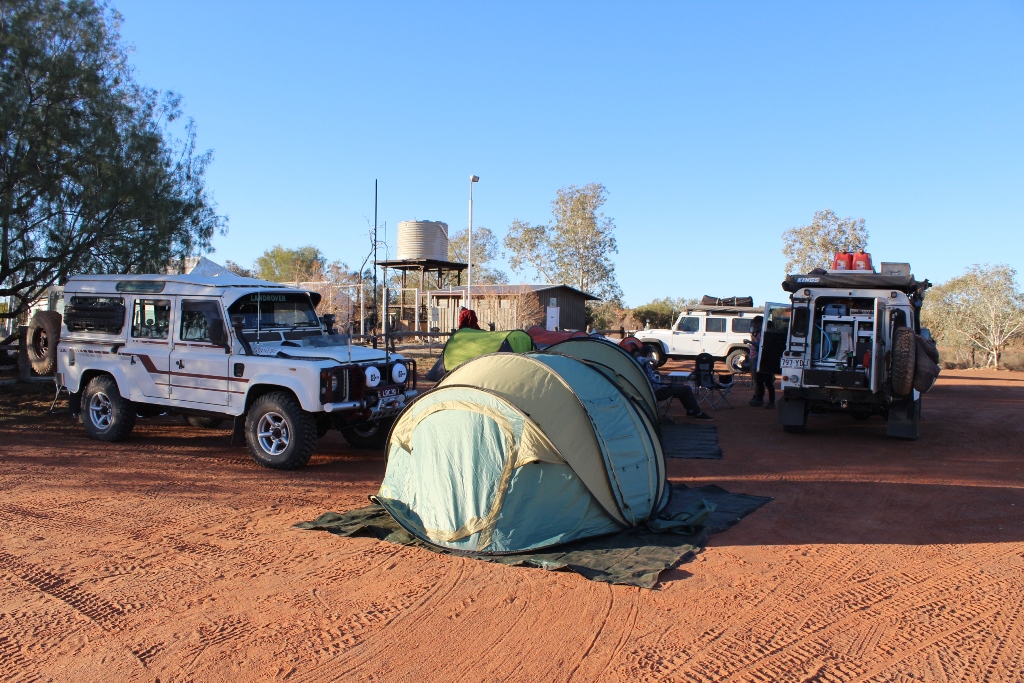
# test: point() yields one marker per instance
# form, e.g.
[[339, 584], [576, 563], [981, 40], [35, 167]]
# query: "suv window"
[[196, 319], [715, 325], [269, 310], [741, 325], [151, 318], [689, 324]]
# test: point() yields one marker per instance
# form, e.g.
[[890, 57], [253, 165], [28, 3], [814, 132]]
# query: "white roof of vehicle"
[[215, 285]]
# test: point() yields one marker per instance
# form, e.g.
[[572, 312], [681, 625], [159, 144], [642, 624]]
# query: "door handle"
[[133, 360], [181, 366]]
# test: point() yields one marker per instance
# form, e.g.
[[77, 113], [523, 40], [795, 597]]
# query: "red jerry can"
[[843, 261], [862, 261]]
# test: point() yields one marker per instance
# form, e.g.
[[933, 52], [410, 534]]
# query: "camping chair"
[[744, 376], [710, 387]]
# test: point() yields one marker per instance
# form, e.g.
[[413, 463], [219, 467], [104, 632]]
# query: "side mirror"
[[217, 333]]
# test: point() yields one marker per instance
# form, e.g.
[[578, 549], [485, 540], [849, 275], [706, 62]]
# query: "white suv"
[[216, 348], [722, 331]]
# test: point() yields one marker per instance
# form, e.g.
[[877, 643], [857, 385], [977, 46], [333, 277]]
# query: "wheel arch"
[[92, 373], [75, 397], [259, 390]]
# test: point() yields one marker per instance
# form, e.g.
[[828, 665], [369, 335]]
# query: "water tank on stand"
[[422, 240]]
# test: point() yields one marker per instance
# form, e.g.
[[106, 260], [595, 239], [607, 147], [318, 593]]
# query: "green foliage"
[[238, 270], [279, 264], [485, 251], [661, 313], [575, 248], [91, 177], [606, 315], [979, 311], [807, 247]]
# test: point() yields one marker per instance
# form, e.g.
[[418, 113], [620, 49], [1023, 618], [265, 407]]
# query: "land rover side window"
[[690, 324], [273, 310], [151, 318], [197, 319], [715, 325], [94, 314], [741, 325]]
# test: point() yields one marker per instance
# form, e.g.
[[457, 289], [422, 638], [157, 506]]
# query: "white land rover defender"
[[847, 342], [721, 331], [214, 348]]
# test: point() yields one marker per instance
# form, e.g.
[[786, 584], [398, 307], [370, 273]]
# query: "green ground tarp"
[[690, 441], [634, 557]]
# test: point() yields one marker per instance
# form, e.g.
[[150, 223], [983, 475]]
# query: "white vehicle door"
[[146, 355], [686, 336], [716, 336], [878, 347], [199, 362]]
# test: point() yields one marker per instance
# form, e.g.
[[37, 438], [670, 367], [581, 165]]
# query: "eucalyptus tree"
[[979, 311], [807, 247], [486, 251], [575, 247], [97, 173]]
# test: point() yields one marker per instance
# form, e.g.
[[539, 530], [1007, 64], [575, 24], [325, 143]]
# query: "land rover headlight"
[[372, 376], [335, 383], [399, 373]]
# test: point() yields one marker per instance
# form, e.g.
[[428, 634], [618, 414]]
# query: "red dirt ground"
[[172, 557]]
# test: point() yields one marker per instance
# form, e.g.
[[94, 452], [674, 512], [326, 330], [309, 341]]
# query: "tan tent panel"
[[631, 378]]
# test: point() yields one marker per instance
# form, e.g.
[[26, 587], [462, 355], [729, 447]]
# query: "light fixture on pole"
[[469, 279]]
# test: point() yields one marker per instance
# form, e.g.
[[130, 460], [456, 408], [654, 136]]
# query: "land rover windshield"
[[274, 310]]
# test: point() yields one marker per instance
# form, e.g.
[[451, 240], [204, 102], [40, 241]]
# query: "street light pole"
[[469, 280]]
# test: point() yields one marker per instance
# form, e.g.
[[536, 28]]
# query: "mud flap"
[[792, 411], [905, 419], [238, 431]]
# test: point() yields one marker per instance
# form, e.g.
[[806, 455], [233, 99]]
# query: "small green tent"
[[519, 452], [467, 343]]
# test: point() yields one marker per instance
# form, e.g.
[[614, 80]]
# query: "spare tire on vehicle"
[[904, 360], [43, 335]]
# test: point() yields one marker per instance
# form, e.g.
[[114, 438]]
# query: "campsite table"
[[676, 377]]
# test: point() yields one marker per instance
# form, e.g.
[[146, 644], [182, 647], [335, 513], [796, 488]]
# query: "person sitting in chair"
[[668, 390]]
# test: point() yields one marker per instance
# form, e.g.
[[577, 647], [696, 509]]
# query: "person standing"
[[762, 380]]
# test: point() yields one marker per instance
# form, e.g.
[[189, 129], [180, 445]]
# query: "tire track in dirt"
[[597, 632], [57, 517], [431, 586], [806, 639], [105, 614], [1013, 634], [15, 665], [215, 633]]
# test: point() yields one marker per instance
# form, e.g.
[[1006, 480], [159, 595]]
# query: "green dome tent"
[[519, 452], [468, 343]]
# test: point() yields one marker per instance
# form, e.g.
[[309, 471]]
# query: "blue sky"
[[714, 126]]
